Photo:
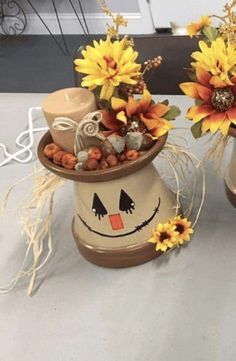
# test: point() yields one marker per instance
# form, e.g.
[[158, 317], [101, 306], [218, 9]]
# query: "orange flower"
[[216, 107], [151, 114]]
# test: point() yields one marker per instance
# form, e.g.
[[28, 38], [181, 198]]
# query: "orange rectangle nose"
[[116, 221]]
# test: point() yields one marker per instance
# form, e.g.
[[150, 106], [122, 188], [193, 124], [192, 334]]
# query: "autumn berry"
[[132, 154], [94, 153], [69, 161], [57, 157], [51, 149]]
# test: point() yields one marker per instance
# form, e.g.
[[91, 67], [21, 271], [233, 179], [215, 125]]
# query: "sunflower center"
[[222, 99], [179, 228], [110, 62], [163, 236]]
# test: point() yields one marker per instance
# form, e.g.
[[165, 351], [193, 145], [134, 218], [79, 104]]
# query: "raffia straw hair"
[[216, 151], [183, 163], [36, 214]]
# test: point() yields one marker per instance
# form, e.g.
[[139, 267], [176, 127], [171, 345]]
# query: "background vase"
[[230, 176], [117, 208]]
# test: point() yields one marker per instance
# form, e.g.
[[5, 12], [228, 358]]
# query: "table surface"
[[180, 306]]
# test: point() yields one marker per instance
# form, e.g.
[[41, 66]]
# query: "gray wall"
[[89, 6]]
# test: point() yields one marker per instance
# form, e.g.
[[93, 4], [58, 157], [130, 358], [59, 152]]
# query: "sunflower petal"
[[198, 112], [118, 104], [231, 114], [190, 89], [145, 101], [158, 110], [122, 117], [203, 76], [107, 91], [204, 92], [131, 106], [225, 127]]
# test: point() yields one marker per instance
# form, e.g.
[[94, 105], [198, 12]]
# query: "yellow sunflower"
[[183, 227], [107, 64], [218, 60], [164, 236], [194, 28]]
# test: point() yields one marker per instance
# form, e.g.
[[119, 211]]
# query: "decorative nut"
[[147, 142], [57, 157], [112, 160], [103, 165], [69, 161], [132, 154], [51, 149], [90, 164]]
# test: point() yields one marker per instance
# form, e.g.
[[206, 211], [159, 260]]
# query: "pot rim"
[[103, 174], [232, 132]]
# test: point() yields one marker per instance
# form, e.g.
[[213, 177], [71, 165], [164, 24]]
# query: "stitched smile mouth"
[[136, 229]]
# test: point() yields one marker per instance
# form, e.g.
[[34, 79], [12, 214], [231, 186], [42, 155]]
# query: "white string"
[[25, 149]]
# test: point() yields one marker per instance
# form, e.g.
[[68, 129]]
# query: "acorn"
[[117, 142], [134, 140]]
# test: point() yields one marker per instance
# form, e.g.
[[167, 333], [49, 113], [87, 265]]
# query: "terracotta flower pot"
[[230, 176], [117, 208]]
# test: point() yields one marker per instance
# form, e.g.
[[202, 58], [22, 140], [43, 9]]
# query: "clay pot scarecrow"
[[230, 176], [117, 208]]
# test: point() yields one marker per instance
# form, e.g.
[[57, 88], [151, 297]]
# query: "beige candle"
[[73, 103]]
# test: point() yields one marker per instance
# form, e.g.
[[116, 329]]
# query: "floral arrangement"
[[213, 74], [129, 125]]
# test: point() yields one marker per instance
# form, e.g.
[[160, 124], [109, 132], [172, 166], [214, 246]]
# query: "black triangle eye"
[[98, 208], [126, 203]]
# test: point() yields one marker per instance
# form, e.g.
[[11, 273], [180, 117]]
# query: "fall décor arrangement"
[[103, 136], [129, 125], [213, 87], [213, 75]]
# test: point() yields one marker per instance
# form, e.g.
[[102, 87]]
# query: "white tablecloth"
[[181, 306]]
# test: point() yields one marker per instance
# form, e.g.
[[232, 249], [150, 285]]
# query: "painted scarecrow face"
[[122, 211]]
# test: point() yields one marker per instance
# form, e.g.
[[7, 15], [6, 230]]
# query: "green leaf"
[[196, 129], [172, 113], [165, 102], [210, 32]]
